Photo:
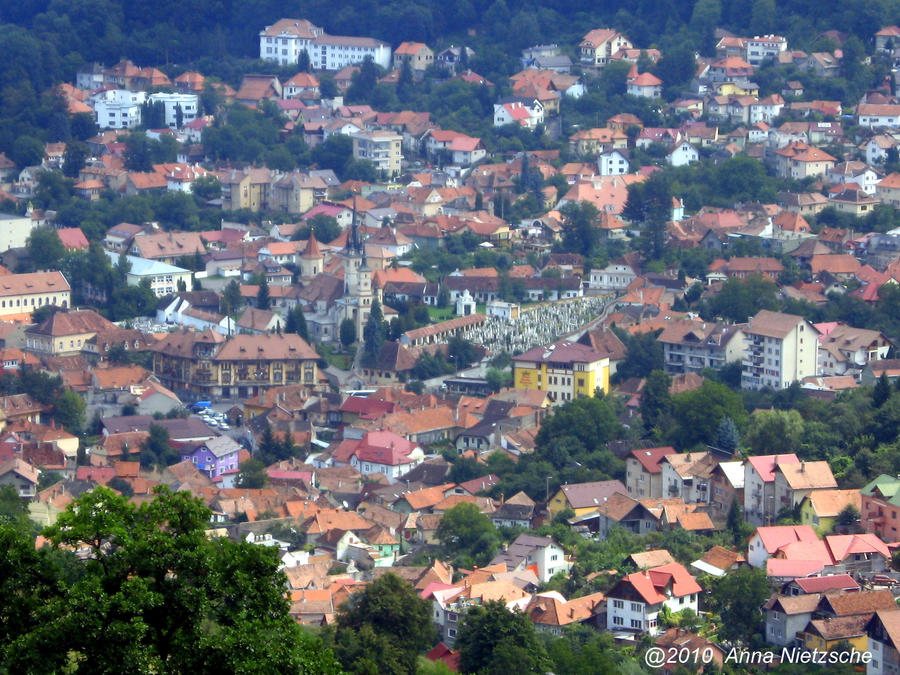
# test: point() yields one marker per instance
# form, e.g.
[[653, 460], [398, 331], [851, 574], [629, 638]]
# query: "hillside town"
[[632, 378]]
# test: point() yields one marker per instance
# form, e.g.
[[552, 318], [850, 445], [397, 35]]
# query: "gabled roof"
[[650, 458], [807, 475], [778, 536], [653, 585], [588, 495]]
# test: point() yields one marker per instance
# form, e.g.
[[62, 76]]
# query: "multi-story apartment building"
[[23, 293], [780, 349], [189, 104], [118, 108], [565, 370], [690, 346], [333, 52], [382, 148], [242, 366]]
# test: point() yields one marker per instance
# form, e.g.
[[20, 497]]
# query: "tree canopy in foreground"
[[152, 595]]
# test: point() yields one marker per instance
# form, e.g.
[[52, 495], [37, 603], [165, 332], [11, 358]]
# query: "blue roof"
[[141, 267]]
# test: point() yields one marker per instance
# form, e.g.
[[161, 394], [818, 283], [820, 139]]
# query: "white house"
[[544, 554], [189, 104], [516, 112], [612, 163], [118, 108], [163, 278], [645, 85], [876, 148], [614, 277], [781, 349], [759, 48], [766, 541], [683, 154], [385, 452], [634, 603], [874, 115]]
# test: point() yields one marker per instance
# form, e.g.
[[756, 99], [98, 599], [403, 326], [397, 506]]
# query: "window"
[[618, 620], [635, 623], [636, 607], [619, 604]]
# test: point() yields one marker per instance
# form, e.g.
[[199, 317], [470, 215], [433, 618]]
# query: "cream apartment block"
[[22, 293], [286, 39], [780, 349], [382, 148]]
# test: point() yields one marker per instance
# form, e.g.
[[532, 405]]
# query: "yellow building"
[[820, 508], [241, 366], [565, 370], [583, 498], [22, 293], [826, 634]]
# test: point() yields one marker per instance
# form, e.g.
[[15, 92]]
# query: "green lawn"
[[445, 313], [343, 360]]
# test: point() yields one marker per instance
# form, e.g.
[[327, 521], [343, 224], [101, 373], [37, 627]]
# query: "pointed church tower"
[[357, 278], [311, 260]]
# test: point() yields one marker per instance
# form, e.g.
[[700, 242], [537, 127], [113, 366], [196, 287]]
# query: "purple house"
[[214, 457]]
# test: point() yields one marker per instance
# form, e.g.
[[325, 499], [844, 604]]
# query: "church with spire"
[[358, 294]]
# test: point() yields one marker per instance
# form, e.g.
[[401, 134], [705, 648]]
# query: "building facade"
[[780, 349], [565, 370]]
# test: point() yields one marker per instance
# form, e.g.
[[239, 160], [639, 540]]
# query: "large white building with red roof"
[[634, 603]]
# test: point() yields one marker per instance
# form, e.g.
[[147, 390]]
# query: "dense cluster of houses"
[[371, 486]]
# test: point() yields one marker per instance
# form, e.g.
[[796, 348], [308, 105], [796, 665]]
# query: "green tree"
[[27, 151], [252, 474], [348, 332], [373, 335], [881, 392], [656, 402], [75, 158], [739, 528], [156, 450], [468, 535], [739, 299], [698, 413], [303, 63], [206, 188], [156, 595], [232, 301], [263, 301], [295, 322], [494, 641], [774, 431], [384, 628], [727, 437], [737, 598], [68, 410], [45, 250], [461, 352]]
